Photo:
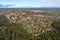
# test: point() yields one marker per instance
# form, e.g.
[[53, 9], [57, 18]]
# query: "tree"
[[4, 21]]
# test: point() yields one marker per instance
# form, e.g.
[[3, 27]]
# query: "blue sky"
[[30, 3]]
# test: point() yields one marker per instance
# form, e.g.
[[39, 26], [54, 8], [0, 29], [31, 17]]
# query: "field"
[[29, 25]]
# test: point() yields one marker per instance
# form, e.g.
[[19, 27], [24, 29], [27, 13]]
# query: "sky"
[[29, 3]]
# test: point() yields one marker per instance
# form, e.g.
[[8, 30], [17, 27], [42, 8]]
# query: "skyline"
[[29, 3]]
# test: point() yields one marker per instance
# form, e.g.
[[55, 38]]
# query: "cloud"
[[5, 6], [31, 3], [17, 5], [25, 5], [49, 3]]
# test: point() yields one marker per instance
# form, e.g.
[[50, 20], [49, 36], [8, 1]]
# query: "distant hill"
[[6, 7]]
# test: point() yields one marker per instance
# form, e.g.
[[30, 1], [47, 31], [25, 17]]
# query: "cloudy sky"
[[29, 3]]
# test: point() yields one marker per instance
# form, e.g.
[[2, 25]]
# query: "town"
[[28, 25]]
